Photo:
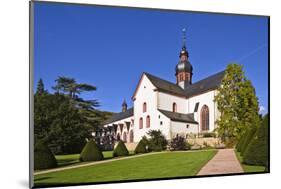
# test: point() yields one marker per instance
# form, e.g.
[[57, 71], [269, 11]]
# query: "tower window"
[[181, 77]]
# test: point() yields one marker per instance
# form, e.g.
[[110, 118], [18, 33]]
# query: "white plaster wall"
[[181, 129], [165, 102], [146, 93], [204, 99]]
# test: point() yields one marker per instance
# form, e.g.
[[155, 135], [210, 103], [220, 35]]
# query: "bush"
[[207, 135], [43, 157], [257, 151], [120, 149], [247, 139], [241, 141], [141, 147], [91, 152], [178, 143], [157, 141]]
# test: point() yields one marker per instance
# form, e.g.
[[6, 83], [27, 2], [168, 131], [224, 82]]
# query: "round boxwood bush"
[[141, 147], [120, 149], [43, 157], [257, 151], [91, 152]]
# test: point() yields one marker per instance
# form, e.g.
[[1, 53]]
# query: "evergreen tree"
[[237, 102], [40, 87], [70, 87], [257, 151]]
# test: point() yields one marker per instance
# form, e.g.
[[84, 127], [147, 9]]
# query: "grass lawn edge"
[[249, 168]]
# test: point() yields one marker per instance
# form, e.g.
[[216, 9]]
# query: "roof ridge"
[[148, 74]]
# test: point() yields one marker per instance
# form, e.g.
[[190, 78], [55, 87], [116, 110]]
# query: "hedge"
[[43, 157], [120, 149], [248, 139], [91, 152], [257, 151]]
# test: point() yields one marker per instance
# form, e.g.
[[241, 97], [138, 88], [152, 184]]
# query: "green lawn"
[[168, 164], [64, 160], [249, 168]]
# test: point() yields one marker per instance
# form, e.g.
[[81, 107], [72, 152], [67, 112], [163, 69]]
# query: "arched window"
[[141, 123], [118, 136], [174, 107], [204, 118], [144, 107], [131, 136], [124, 137], [147, 121]]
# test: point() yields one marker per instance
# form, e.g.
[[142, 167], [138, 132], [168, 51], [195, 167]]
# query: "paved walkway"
[[224, 162]]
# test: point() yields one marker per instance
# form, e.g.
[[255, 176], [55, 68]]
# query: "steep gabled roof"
[[209, 83], [204, 85], [188, 118], [119, 116], [164, 85]]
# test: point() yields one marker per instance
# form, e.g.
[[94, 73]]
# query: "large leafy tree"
[[237, 102], [61, 123]]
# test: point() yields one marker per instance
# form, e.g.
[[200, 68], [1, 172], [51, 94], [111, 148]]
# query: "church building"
[[182, 107]]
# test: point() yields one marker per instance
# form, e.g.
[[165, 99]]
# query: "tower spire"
[[184, 68], [124, 106], [183, 49], [183, 38]]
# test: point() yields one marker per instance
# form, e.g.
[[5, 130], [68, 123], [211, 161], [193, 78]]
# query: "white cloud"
[[262, 110]]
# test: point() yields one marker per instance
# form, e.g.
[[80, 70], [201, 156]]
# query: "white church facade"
[[180, 108]]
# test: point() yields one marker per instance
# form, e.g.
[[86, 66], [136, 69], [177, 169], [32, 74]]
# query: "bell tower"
[[124, 106], [184, 68]]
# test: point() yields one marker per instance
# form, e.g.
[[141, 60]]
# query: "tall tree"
[[69, 86], [237, 102], [40, 87]]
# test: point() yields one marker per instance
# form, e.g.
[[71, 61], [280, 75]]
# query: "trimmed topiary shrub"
[[178, 143], [91, 152], [43, 157], [257, 151], [141, 147], [120, 149]]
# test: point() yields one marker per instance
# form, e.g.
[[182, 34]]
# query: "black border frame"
[[31, 102]]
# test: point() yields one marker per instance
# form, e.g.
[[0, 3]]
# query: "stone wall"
[[210, 141]]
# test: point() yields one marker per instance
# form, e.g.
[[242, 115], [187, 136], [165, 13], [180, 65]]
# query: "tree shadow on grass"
[[42, 178]]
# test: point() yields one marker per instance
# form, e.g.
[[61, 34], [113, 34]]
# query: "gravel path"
[[224, 162]]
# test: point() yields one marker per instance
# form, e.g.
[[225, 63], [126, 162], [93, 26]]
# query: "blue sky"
[[110, 47]]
